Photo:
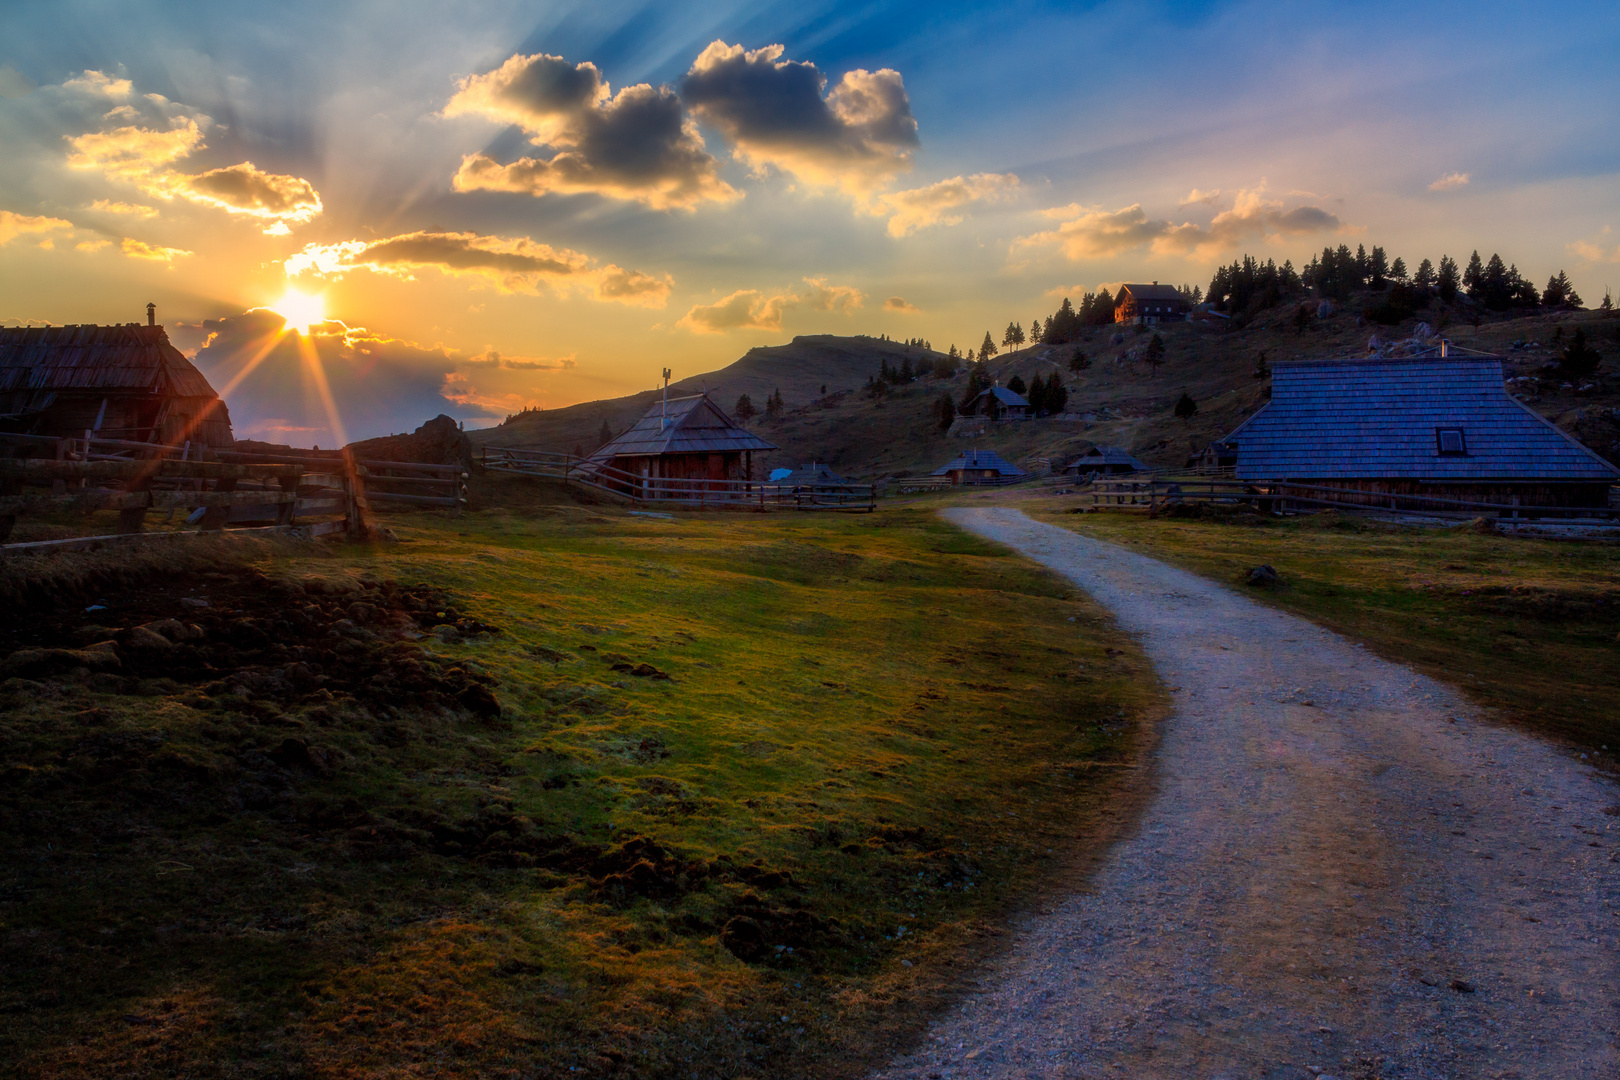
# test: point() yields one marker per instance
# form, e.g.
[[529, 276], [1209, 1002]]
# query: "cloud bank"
[[750, 309], [511, 264], [932, 205], [14, 225]]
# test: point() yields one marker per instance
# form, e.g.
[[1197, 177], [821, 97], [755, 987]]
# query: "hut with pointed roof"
[[686, 438], [999, 403], [1441, 425], [121, 382], [981, 467], [1150, 303], [1104, 460]]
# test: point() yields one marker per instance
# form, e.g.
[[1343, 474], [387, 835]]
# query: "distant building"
[[812, 475], [1443, 426], [999, 403], [687, 438], [1150, 303], [1105, 461], [1217, 455], [120, 382], [981, 467]]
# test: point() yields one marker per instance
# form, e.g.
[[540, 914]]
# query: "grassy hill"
[[1119, 400]]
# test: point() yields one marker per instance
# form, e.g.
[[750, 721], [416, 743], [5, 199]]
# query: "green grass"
[[879, 736], [1527, 627]]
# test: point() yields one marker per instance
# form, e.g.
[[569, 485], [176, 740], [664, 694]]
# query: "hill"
[[1118, 400]]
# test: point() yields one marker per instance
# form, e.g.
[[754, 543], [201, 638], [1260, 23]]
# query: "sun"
[[300, 310]]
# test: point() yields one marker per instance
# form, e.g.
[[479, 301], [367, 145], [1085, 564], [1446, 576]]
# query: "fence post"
[[355, 495]]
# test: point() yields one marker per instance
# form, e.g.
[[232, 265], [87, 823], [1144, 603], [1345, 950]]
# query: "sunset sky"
[[511, 204]]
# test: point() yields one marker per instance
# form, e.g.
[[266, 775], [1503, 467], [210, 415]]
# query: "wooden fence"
[[213, 489], [1148, 493], [673, 491]]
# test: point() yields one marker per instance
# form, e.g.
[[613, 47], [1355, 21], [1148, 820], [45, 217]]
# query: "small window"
[[1450, 441]]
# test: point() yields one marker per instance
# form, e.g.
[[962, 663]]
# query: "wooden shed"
[[121, 382], [688, 438], [1438, 426], [999, 403], [1104, 460], [981, 467]]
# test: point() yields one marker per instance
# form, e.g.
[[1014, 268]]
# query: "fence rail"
[[1151, 494], [216, 488], [678, 491]]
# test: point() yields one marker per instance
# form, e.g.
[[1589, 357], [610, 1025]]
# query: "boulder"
[[1261, 575]]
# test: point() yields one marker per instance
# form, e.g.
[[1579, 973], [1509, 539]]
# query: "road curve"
[[1344, 872]]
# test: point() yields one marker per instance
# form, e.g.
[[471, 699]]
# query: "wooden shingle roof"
[[688, 425], [1153, 292], [129, 357], [1110, 455], [981, 459], [1378, 419]]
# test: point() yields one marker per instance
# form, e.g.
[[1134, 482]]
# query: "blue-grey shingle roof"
[[982, 459], [1109, 455], [686, 425], [1350, 419], [1001, 394]]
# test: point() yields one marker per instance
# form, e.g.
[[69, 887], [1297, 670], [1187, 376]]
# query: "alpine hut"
[[814, 475], [121, 382], [1104, 460], [981, 467], [687, 439], [999, 403], [1442, 426], [1149, 303]]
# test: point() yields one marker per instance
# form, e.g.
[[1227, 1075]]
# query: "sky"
[[481, 207]]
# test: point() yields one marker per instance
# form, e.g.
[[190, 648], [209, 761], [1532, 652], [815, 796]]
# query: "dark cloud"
[[774, 113], [636, 145]]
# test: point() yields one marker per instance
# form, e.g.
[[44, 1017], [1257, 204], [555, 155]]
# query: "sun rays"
[[300, 310]]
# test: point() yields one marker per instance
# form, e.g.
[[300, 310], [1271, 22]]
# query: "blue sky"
[[964, 165]]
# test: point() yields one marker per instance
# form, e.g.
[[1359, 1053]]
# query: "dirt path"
[[1344, 872]]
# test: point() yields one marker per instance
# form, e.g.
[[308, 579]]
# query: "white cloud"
[[1450, 182]]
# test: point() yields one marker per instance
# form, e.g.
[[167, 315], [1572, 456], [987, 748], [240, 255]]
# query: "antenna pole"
[[663, 410]]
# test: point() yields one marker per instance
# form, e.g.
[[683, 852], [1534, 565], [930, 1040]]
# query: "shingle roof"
[[815, 473], [1153, 292], [981, 459], [127, 357], [688, 425], [1350, 419], [1003, 395], [1110, 455]]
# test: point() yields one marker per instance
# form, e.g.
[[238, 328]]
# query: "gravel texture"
[[1345, 871]]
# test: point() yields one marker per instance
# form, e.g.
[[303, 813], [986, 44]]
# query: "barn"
[[121, 382], [686, 438], [1442, 427], [981, 467], [1105, 460]]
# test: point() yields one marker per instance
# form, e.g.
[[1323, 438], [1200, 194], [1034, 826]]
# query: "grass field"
[[305, 847], [1527, 627]]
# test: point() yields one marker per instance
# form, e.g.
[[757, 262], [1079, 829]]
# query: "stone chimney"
[[151, 314]]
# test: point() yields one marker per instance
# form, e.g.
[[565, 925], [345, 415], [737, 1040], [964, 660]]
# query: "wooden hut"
[[814, 475], [999, 403], [121, 382], [1149, 303], [1441, 426], [1104, 461], [687, 438], [981, 467]]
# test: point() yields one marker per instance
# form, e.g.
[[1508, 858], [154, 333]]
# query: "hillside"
[[1118, 400]]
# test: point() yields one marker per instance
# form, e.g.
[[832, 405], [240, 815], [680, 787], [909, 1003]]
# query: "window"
[[1449, 441]]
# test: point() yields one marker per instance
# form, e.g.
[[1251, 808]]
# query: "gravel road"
[[1344, 872]]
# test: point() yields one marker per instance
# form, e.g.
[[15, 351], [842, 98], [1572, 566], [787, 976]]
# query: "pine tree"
[[905, 370], [744, 410], [1036, 334], [1155, 353], [1036, 395], [978, 382], [1424, 278], [1016, 385], [1079, 361], [773, 405], [1363, 269], [1057, 395], [1186, 408], [605, 435], [988, 348], [1397, 269], [1579, 359], [1302, 318], [1446, 280], [1378, 268], [1608, 301], [1473, 278], [946, 411], [1560, 293]]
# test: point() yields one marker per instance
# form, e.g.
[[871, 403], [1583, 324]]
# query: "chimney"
[[1155, 283], [151, 314], [1444, 344]]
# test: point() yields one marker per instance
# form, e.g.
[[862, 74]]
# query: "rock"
[[362, 612], [193, 602], [480, 702], [145, 639], [743, 938], [175, 630], [1462, 986], [1325, 309], [647, 671], [29, 662], [1261, 575], [447, 634]]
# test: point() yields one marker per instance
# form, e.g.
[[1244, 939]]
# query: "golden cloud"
[[106, 206], [745, 309], [92, 245], [920, 207], [773, 111], [1451, 181], [246, 189], [512, 264], [637, 145], [899, 304], [493, 359], [140, 249], [15, 225], [135, 154], [1586, 250], [1094, 233], [1195, 196], [824, 297]]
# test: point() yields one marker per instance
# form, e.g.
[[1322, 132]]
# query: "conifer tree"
[[1079, 361], [1579, 359], [987, 349], [1016, 385], [1446, 281], [1186, 408], [744, 410], [1155, 353], [1397, 269], [1424, 278], [605, 435], [946, 411], [1473, 279]]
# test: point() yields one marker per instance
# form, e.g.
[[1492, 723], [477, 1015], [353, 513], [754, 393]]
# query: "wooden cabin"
[[1104, 461], [1443, 426], [687, 438], [1150, 303], [999, 403], [120, 382], [814, 475], [981, 467]]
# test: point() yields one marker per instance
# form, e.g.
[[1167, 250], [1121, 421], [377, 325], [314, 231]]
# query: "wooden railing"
[[663, 490], [1149, 493]]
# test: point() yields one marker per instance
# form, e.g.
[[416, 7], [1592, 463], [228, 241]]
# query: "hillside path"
[[1344, 871]]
